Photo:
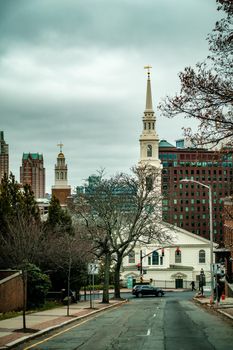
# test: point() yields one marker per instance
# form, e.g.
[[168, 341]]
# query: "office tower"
[[32, 172], [187, 204], [61, 190], [4, 156]]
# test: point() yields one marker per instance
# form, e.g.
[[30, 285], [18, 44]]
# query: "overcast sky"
[[72, 71]]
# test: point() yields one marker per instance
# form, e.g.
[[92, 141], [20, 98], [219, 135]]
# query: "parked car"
[[142, 290]]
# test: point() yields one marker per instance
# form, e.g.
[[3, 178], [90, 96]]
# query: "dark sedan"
[[140, 291]]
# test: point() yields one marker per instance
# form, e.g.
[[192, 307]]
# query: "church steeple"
[[149, 107], [61, 189], [149, 140]]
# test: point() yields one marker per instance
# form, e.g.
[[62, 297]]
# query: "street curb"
[[225, 314], [47, 330], [213, 308]]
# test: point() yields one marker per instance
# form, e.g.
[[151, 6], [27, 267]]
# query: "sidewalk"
[[39, 323], [224, 307]]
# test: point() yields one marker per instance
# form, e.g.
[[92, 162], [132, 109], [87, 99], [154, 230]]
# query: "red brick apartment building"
[[187, 204], [4, 156], [32, 172]]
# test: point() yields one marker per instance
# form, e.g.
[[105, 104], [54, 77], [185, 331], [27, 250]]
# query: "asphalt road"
[[172, 322]]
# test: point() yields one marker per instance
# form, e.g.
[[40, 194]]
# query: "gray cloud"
[[73, 71]]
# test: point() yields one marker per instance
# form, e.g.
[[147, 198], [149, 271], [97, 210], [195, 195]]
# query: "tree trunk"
[[68, 288], [117, 291], [24, 276], [105, 298]]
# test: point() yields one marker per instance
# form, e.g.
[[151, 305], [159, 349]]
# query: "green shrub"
[[38, 285]]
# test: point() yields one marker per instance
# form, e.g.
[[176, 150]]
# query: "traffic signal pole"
[[141, 270]]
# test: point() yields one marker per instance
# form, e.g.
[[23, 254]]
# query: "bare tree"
[[118, 213], [138, 218], [66, 252], [22, 243], [207, 90]]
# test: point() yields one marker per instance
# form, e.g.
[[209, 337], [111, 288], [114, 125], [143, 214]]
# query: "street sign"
[[93, 269]]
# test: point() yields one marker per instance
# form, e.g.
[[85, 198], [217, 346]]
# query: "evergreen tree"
[[59, 220]]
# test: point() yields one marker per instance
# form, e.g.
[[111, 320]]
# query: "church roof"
[[32, 156], [61, 155]]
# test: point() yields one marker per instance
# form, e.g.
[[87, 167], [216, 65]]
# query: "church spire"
[[149, 140], [149, 107]]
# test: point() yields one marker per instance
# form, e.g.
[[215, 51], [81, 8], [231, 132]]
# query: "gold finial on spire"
[[148, 70], [60, 145]]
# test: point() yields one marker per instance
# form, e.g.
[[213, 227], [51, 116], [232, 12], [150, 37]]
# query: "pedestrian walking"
[[193, 285]]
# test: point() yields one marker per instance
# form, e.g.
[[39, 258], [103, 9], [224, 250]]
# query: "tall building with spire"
[[61, 190], [149, 140], [32, 172], [4, 157]]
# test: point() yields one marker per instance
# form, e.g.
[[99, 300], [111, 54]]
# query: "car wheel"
[[159, 294], [140, 295]]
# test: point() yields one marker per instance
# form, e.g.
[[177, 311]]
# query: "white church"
[[172, 265]]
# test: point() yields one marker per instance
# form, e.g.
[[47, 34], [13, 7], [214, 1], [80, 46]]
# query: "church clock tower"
[[61, 189]]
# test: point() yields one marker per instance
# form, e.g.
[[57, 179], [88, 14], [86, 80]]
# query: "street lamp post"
[[211, 230]]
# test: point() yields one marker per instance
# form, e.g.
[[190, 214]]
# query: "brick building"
[[32, 172], [186, 205], [4, 156], [61, 190], [228, 238]]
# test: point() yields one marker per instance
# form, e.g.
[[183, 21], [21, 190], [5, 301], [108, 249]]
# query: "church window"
[[155, 258], [149, 126], [149, 183], [62, 175], [132, 257], [57, 175], [149, 150], [65, 176], [201, 256], [153, 126], [177, 256], [144, 126]]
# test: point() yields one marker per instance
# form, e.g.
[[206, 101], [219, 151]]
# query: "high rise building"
[[4, 156], [61, 190], [32, 172], [187, 204]]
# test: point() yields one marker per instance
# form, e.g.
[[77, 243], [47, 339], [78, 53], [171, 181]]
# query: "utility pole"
[[141, 270]]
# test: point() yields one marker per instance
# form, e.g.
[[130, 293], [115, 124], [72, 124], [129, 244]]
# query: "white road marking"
[[148, 332], [154, 315]]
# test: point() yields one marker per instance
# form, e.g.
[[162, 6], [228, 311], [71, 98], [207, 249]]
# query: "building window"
[[149, 183], [177, 256], [132, 257], [201, 256], [144, 126], [57, 175], [149, 151], [155, 258]]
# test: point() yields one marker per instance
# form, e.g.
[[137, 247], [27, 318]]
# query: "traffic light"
[[139, 266]]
